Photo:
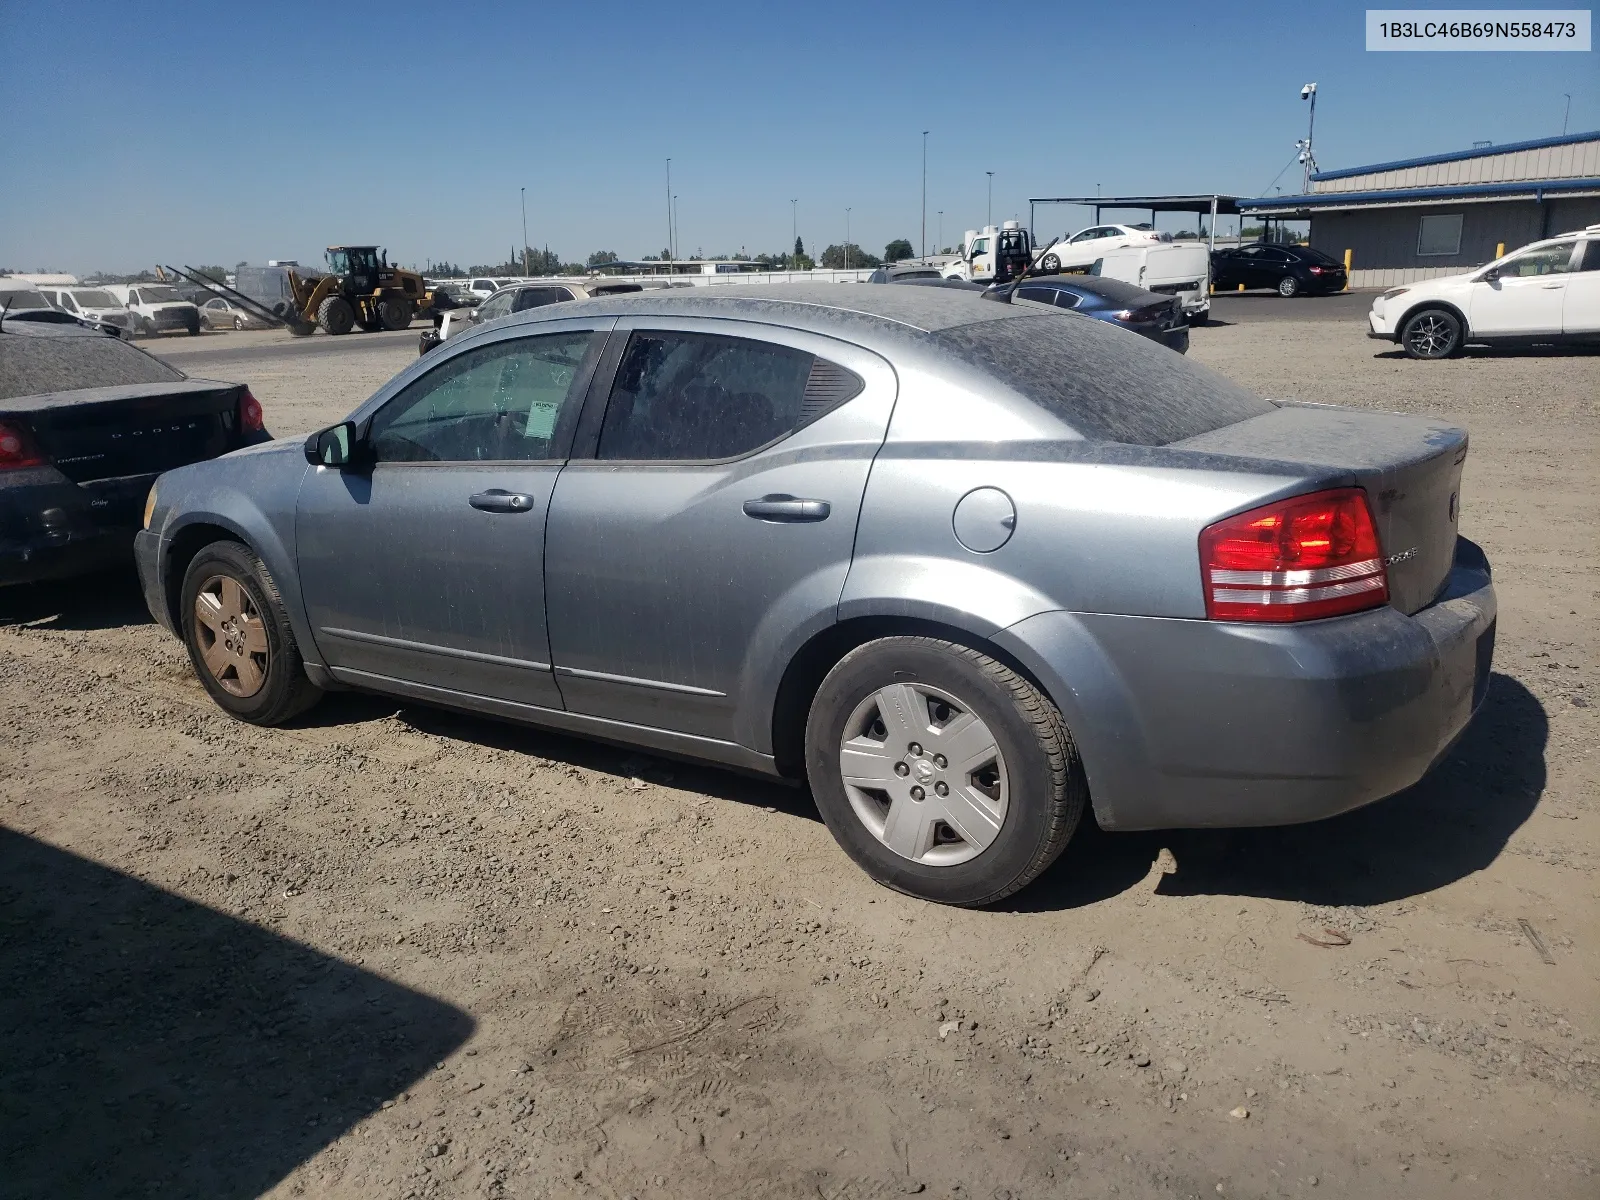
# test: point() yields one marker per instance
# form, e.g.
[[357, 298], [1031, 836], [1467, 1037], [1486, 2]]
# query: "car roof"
[[837, 309]]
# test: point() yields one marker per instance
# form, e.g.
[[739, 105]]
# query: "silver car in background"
[[968, 568]]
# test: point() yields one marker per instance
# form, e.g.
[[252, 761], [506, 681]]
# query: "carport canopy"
[[1200, 205]]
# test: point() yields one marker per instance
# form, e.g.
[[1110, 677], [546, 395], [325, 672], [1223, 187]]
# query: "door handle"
[[1548, 286], [498, 500], [786, 509]]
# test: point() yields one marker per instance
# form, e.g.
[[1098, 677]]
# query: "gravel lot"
[[397, 952]]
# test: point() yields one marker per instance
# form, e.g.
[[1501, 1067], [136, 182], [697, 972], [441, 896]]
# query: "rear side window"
[[1101, 382], [1591, 256], [691, 396], [539, 297]]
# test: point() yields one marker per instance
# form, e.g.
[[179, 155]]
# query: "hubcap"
[[924, 774], [1430, 335], [232, 636]]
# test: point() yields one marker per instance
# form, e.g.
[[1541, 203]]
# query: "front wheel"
[[1432, 333], [1288, 287], [239, 639], [1050, 264], [942, 772], [335, 315]]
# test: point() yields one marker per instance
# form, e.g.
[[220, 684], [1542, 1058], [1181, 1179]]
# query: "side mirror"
[[335, 446], [1492, 274]]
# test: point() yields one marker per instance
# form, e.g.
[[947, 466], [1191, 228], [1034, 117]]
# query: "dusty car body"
[[87, 422], [970, 569]]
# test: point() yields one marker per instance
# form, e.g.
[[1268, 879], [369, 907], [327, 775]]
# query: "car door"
[[1580, 302], [713, 520], [1526, 296], [427, 565], [1082, 249]]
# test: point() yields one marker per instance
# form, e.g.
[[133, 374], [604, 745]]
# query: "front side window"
[[981, 246], [692, 396], [496, 403], [1547, 260], [1439, 234]]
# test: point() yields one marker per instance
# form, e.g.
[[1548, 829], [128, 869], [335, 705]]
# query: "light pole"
[[524, 230], [990, 219], [794, 227], [847, 239], [1307, 158], [924, 193], [670, 253]]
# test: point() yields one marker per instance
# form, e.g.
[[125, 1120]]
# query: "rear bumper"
[[1197, 723], [50, 528]]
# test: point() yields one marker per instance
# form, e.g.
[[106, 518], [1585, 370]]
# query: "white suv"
[[1544, 293], [1083, 247]]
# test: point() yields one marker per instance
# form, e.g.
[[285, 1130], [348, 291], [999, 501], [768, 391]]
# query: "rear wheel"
[[1432, 333], [239, 639], [369, 324], [238, 322], [1288, 286], [395, 312], [335, 315], [941, 771]]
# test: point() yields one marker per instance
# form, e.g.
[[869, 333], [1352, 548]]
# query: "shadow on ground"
[[104, 600], [343, 708], [150, 1046], [1453, 823]]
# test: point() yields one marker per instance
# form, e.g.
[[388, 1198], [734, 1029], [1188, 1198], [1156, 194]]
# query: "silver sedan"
[[970, 569]]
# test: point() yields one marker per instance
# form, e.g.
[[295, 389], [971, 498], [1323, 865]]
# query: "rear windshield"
[[17, 301], [1310, 255], [1104, 382], [33, 366]]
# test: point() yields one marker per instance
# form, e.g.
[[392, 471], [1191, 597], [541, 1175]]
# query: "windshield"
[[95, 299], [17, 301], [155, 294]]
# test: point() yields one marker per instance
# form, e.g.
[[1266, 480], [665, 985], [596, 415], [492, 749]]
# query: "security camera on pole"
[[1307, 159]]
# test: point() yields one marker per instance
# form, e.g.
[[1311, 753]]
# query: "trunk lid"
[[137, 429], [1409, 466]]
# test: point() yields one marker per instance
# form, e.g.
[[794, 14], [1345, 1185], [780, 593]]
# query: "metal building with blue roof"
[[1445, 213]]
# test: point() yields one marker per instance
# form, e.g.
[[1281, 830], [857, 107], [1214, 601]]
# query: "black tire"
[[1050, 264], [284, 692], [238, 323], [1288, 287], [1045, 790], [369, 324], [1432, 333], [395, 312], [335, 315]]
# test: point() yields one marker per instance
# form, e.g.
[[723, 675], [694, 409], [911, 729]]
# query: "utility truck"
[[992, 255]]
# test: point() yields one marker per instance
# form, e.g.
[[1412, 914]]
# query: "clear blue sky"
[[180, 132]]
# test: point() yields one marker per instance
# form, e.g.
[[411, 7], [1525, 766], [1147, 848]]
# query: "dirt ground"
[[395, 952]]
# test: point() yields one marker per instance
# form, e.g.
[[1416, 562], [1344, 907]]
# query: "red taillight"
[[1316, 270], [1296, 560], [249, 412], [17, 448]]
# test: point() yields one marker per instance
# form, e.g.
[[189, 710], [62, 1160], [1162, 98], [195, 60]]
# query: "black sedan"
[[1150, 314], [1287, 270], [86, 424]]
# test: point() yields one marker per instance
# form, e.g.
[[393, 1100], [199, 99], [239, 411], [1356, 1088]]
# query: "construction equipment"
[[360, 289]]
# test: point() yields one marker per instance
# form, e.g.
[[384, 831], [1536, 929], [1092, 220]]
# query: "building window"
[[1440, 235]]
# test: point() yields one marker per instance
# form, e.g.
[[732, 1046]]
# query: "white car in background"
[[94, 306], [1543, 294], [1080, 249]]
